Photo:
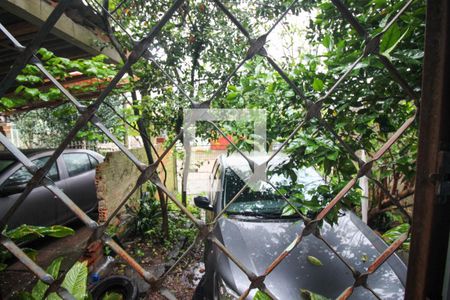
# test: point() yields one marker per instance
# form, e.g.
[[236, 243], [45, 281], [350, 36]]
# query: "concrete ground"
[[202, 162]]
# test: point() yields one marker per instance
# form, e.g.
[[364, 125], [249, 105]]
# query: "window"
[[77, 163], [22, 176], [94, 161], [5, 163]]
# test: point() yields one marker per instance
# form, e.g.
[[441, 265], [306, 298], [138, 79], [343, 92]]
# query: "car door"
[[39, 207], [80, 182]]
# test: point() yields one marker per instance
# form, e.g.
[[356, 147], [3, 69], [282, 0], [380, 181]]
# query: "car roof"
[[6, 155], [236, 160]]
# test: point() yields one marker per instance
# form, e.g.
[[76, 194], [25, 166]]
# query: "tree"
[[367, 107]]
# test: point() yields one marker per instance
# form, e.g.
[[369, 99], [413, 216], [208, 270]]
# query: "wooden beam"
[[37, 11]]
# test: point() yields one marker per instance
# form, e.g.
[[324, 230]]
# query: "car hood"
[[257, 243]]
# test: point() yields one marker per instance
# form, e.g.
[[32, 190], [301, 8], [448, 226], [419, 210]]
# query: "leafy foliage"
[[29, 232], [40, 288], [261, 296], [31, 81], [47, 127], [76, 280], [365, 110], [308, 295], [148, 221], [26, 232], [393, 234]]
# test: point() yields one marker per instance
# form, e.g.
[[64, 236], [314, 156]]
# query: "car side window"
[[22, 176], [77, 163], [93, 160]]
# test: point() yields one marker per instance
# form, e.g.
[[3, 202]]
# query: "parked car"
[[255, 232], [73, 172]]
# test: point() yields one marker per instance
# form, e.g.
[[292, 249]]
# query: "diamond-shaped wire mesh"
[[256, 47]]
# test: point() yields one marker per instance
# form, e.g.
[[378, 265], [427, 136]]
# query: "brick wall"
[[116, 177]]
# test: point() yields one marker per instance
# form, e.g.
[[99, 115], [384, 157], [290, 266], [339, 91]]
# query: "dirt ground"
[[179, 284]]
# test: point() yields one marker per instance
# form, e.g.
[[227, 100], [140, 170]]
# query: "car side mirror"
[[11, 190], [203, 202]]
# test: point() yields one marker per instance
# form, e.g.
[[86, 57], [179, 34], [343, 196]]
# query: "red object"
[[221, 143], [160, 140]]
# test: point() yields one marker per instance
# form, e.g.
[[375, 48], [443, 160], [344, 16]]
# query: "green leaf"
[[327, 41], [57, 231], [232, 95], [333, 156], [261, 296], [21, 78], [45, 54], [43, 97], [100, 58], [31, 69], [76, 280], [53, 93], [112, 296], [315, 261], [7, 102], [364, 258], [32, 79], [22, 231], [318, 85], [32, 92], [391, 38], [394, 233], [19, 89], [27, 231], [232, 88], [288, 211], [53, 296], [3, 266], [308, 295], [31, 253], [40, 288]]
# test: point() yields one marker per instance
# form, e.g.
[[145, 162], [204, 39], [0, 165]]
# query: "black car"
[[73, 172], [255, 232]]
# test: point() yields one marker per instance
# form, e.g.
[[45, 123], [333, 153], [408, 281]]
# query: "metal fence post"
[[430, 230]]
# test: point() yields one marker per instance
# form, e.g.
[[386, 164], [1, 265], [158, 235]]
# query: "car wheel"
[[207, 289], [199, 293], [216, 292]]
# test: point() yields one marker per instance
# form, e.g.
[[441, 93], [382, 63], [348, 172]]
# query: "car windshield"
[[263, 200], [5, 163]]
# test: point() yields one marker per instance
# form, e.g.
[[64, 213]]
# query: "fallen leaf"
[[315, 261]]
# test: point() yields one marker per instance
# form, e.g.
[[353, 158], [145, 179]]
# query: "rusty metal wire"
[[256, 47]]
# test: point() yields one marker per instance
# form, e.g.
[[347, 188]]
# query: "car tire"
[[117, 284], [199, 293]]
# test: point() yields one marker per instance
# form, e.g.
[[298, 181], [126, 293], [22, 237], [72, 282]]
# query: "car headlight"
[[226, 292]]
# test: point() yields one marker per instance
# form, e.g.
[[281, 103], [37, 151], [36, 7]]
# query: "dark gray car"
[[73, 172], [255, 232]]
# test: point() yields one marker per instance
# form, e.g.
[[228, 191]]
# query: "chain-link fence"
[[256, 47]]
